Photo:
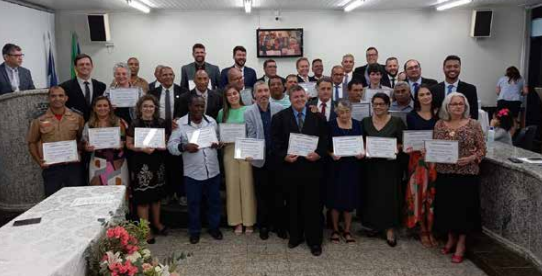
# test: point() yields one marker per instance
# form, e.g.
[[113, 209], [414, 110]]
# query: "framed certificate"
[[230, 132], [149, 137], [348, 145], [248, 147], [203, 137], [361, 110], [310, 88], [441, 151], [104, 137], [60, 152], [301, 144], [246, 96], [378, 147], [416, 138], [124, 97]]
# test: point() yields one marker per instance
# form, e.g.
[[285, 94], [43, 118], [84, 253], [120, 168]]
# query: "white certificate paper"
[[301, 144], [348, 145], [310, 88], [60, 152], [441, 151], [378, 147], [230, 132], [361, 110], [369, 93], [203, 137], [104, 137], [248, 147], [124, 97], [150, 137], [416, 138], [246, 96]]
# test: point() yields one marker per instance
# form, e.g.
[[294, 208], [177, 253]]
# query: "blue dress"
[[344, 175]]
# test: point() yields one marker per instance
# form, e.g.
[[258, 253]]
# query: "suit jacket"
[[177, 92], [25, 80], [311, 79], [254, 125], [359, 74], [188, 72], [332, 114], [467, 89], [76, 98], [153, 85], [282, 125], [263, 79], [248, 74], [214, 104]]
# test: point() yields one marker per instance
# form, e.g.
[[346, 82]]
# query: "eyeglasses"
[[379, 104], [456, 104]]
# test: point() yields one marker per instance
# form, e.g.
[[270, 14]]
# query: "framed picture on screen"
[[279, 42]]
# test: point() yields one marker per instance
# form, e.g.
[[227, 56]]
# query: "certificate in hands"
[[361, 110], [441, 151], [124, 97], [248, 147], [203, 137], [310, 88], [348, 146], [230, 132], [60, 152], [104, 137], [415, 139], [378, 147], [149, 137], [301, 144], [369, 93]]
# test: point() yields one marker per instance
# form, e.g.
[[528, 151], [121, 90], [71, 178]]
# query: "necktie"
[[336, 92], [450, 88], [323, 108], [300, 121], [168, 106], [392, 82], [87, 92], [345, 80], [416, 86]]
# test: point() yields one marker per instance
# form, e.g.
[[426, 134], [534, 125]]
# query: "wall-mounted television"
[[276, 43]]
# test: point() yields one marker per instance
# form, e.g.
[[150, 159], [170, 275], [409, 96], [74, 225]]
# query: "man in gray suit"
[[258, 123], [13, 77], [188, 72]]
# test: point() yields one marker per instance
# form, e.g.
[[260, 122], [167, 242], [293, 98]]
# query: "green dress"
[[381, 191]]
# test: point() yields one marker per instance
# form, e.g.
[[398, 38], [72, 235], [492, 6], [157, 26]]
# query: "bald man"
[[213, 100]]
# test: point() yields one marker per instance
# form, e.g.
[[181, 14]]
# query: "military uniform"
[[46, 129]]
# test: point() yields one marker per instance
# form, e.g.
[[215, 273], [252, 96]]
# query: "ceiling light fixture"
[[353, 5], [453, 4], [248, 5], [148, 3], [344, 2], [138, 6]]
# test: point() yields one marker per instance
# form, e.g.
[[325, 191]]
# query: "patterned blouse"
[[471, 141]]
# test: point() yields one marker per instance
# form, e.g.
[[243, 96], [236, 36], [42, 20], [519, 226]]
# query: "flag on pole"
[[76, 50], [51, 69]]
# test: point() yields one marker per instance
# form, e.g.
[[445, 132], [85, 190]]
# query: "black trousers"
[[59, 176], [270, 198], [174, 175]]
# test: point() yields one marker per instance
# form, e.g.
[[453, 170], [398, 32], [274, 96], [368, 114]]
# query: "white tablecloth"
[[57, 245]]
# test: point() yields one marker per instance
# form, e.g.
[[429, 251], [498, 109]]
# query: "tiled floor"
[[248, 255]]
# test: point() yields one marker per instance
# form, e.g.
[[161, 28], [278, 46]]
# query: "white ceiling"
[[113, 5]]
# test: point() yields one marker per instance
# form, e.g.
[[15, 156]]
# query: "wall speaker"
[[98, 25], [481, 23]]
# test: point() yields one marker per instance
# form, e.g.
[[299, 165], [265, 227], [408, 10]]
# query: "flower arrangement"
[[122, 252]]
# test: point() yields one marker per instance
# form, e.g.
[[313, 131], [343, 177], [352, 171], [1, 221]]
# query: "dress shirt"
[[205, 95], [396, 107], [340, 87], [328, 108], [510, 91], [13, 75], [446, 84], [82, 85], [303, 112], [266, 122], [202, 164], [162, 100]]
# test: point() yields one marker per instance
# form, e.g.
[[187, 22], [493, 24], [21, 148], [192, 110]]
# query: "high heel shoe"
[[446, 250], [456, 259]]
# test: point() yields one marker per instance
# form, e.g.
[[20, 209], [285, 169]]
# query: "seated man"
[[13, 77], [402, 101]]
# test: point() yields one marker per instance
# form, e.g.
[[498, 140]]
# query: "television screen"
[[279, 42]]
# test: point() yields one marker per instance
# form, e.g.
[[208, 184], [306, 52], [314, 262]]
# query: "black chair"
[[525, 138]]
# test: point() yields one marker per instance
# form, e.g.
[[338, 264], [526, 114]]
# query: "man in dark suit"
[[302, 66], [213, 101], [270, 69], [188, 71], [240, 57], [413, 71], [392, 69], [324, 104], [156, 83], [451, 83], [317, 68], [362, 74], [13, 77], [301, 174], [82, 89]]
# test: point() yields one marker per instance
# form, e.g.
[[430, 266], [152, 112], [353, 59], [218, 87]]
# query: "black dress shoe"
[[294, 244], [316, 250], [282, 234], [216, 234], [264, 233], [194, 238], [392, 243]]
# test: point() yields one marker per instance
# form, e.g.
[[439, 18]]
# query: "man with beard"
[[392, 68], [362, 73], [451, 83], [188, 72], [240, 57]]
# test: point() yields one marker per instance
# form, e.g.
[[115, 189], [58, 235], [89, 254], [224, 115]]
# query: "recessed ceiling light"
[[138, 6], [452, 4], [353, 5]]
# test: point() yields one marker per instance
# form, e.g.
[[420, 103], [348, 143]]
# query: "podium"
[[21, 183]]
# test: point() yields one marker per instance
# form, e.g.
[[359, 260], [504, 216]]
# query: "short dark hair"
[[451, 57], [194, 97], [239, 48], [275, 77], [8, 48], [324, 79], [382, 96], [267, 62], [371, 48], [354, 82], [373, 68], [80, 57], [316, 60], [390, 59], [54, 88], [291, 76], [198, 46]]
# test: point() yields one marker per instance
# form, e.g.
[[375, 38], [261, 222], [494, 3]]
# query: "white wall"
[[28, 28], [167, 37]]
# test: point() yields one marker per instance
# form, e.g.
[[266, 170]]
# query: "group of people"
[[283, 193]]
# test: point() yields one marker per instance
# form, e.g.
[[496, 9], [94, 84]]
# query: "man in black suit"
[[317, 68], [392, 69], [301, 174], [83, 89], [14, 77], [452, 68], [156, 83], [240, 58], [413, 71], [213, 101], [362, 74], [302, 65], [270, 69], [324, 104]]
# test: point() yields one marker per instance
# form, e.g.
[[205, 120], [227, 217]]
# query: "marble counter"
[[511, 200]]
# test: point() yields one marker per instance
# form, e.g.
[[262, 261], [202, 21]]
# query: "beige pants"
[[240, 198]]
